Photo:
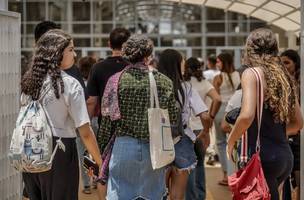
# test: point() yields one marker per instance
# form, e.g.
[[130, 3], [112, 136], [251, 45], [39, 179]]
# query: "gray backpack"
[[31, 148]]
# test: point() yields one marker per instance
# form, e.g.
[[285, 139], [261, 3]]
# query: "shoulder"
[[70, 82], [162, 78], [248, 77]]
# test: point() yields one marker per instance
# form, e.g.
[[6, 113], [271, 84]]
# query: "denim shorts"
[[130, 172], [185, 157]]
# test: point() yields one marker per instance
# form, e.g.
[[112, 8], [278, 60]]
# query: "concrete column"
[[292, 40], [3, 5]]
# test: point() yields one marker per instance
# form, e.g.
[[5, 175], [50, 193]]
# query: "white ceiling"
[[282, 13]]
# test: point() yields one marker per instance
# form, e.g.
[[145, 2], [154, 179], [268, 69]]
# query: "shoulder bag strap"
[[153, 91], [260, 99], [259, 110]]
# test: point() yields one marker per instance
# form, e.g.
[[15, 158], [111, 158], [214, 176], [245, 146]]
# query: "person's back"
[[281, 113], [134, 101], [124, 110], [226, 88], [273, 136]]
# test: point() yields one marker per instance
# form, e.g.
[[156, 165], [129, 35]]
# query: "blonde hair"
[[261, 50]]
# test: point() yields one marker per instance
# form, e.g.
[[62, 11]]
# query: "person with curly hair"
[[124, 110], [281, 113], [65, 106]]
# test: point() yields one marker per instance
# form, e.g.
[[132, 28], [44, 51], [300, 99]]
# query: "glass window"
[[63, 26], [194, 27], [179, 28], [215, 27], [102, 11], [16, 7], [82, 42], [235, 16], [194, 41], [215, 14], [35, 11], [197, 53], [215, 41], [81, 28], [100, 42], [166, 41], [81, 11], [102, 28], [29, 41], [236, 40], [210, 52], [30, 28], [57, 11], [237, 27], [147, 27], [255, 25]]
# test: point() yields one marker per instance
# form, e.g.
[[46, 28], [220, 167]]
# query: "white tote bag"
[[161, 142]]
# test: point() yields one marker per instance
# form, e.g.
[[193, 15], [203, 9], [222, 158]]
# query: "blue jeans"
[[81, 149], [196, 186], [221, 137]]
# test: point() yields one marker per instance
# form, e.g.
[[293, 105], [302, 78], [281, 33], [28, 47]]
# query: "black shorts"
[[61, 182]]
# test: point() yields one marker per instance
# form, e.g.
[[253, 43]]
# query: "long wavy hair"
[[261, 50], [47, 57], [228, 66]]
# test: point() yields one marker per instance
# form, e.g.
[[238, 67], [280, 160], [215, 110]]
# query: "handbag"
[[160, 137], [249, 182], [232, 115]]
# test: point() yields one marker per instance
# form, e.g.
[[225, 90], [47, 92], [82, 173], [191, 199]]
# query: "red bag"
[[249, 183]]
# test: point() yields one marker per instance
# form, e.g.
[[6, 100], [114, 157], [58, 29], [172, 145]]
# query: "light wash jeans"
[[221, 137], [130, 172]]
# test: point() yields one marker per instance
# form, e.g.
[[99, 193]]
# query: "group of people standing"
[[115, 93]]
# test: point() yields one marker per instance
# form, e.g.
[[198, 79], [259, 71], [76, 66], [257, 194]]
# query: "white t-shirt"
[[226, 89], [69, 111], [210, 74], [202, 87], [193, 104], [235, 101]]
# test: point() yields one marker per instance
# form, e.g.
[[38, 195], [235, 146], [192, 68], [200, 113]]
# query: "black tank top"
[[274, 143]]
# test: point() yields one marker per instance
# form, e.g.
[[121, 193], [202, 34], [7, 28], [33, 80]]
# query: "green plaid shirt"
[[134, 101]]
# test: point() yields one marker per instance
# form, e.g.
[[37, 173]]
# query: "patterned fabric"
[[110, 104], [134, 101]]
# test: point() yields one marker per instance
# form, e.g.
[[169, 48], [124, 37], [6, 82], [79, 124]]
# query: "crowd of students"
[[106, 103]]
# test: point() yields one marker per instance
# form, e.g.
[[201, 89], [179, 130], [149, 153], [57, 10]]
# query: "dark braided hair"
[[47, 57]]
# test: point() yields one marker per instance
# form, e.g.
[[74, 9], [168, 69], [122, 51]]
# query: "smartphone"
[[90, 165]]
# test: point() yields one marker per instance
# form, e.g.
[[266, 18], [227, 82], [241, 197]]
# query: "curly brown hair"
[[261, 50], [47, 57]]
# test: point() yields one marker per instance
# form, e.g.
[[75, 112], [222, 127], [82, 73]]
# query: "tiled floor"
[[214, 191]]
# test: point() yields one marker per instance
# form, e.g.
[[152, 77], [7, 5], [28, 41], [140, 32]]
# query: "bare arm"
[[216, 102], [91, 104], [296, 122], [204, 134], [248, 109], [217, 82], [89, 140]]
